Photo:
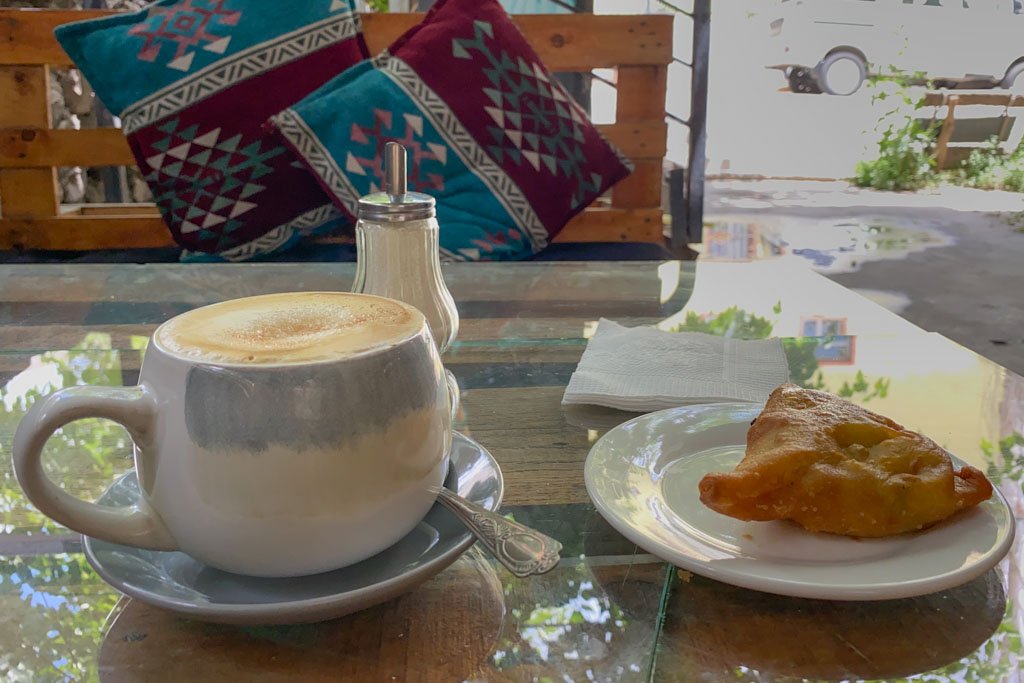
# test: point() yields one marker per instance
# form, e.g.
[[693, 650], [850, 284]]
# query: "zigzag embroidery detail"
[[264, 244], [311, 220], [472, 155], [238, 67], [310, 148]]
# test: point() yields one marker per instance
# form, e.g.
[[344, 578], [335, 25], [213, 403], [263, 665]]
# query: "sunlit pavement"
[[949, 260]]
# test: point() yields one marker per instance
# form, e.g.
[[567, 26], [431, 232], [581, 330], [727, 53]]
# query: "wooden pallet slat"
[[615, 225], [23, 93], [637, 90], [28, 147], [32, 147], [565, 42], [639, 139], [83, 233], [642, 187], [999, 98], [111, 210], [948, 126], [637, 100]]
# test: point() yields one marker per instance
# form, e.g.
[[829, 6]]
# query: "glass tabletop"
[[609, 611]]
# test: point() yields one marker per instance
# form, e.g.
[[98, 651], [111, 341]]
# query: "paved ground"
[[950, 261]]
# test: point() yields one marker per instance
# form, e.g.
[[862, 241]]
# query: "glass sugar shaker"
[[398, 249]]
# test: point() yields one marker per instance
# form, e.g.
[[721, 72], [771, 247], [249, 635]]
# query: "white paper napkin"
[[645, 369]]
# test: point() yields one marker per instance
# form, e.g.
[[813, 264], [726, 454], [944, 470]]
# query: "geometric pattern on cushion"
[[193, 82], [508, 154]]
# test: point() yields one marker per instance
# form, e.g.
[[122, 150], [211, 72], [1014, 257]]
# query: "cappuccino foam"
[[297, 327]]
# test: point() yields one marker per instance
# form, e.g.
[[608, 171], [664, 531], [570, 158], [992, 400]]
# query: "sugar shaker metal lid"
[[396, 203]]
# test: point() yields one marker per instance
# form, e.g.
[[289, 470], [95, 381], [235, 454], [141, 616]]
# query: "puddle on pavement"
[[835, 247]]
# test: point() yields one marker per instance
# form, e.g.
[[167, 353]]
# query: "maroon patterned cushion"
[[193, 82], [509, 155]]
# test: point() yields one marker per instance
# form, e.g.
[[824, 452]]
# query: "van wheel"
[[1013, 80], [841, 73]]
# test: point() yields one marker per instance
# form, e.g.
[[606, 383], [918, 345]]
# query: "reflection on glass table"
[[609, 611]]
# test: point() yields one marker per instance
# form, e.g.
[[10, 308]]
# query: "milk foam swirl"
[[298, 327]]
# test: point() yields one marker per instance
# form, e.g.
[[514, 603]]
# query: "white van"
[[832, 45]]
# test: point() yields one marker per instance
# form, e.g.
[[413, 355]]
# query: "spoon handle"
[[522, 550]]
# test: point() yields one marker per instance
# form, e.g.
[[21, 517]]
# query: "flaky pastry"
[[833, 466]]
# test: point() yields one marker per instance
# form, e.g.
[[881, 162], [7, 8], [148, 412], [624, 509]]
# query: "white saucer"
[[643, 477], [179, 583]]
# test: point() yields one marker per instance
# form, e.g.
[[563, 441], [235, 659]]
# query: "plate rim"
[[781, 586], [294, 611]]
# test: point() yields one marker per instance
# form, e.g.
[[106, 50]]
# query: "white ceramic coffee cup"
[[269, 469]]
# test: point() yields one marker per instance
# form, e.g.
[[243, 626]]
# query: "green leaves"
[[865, 390], [1006, 459], [905, 160], [803, 363], [732, 322], [991, 168]]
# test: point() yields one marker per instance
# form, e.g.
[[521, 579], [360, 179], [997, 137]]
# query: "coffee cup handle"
[[132, 407]]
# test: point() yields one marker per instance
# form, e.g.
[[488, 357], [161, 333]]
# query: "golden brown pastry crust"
[[832, 466]]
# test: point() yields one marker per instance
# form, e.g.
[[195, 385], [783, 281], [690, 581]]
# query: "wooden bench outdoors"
[[639, 47], [958, 137]]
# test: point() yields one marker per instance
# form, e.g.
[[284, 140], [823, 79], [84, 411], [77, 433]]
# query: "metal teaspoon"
[[522, 550]]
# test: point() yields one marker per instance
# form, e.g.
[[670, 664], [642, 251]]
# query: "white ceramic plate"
[[643, 477]]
